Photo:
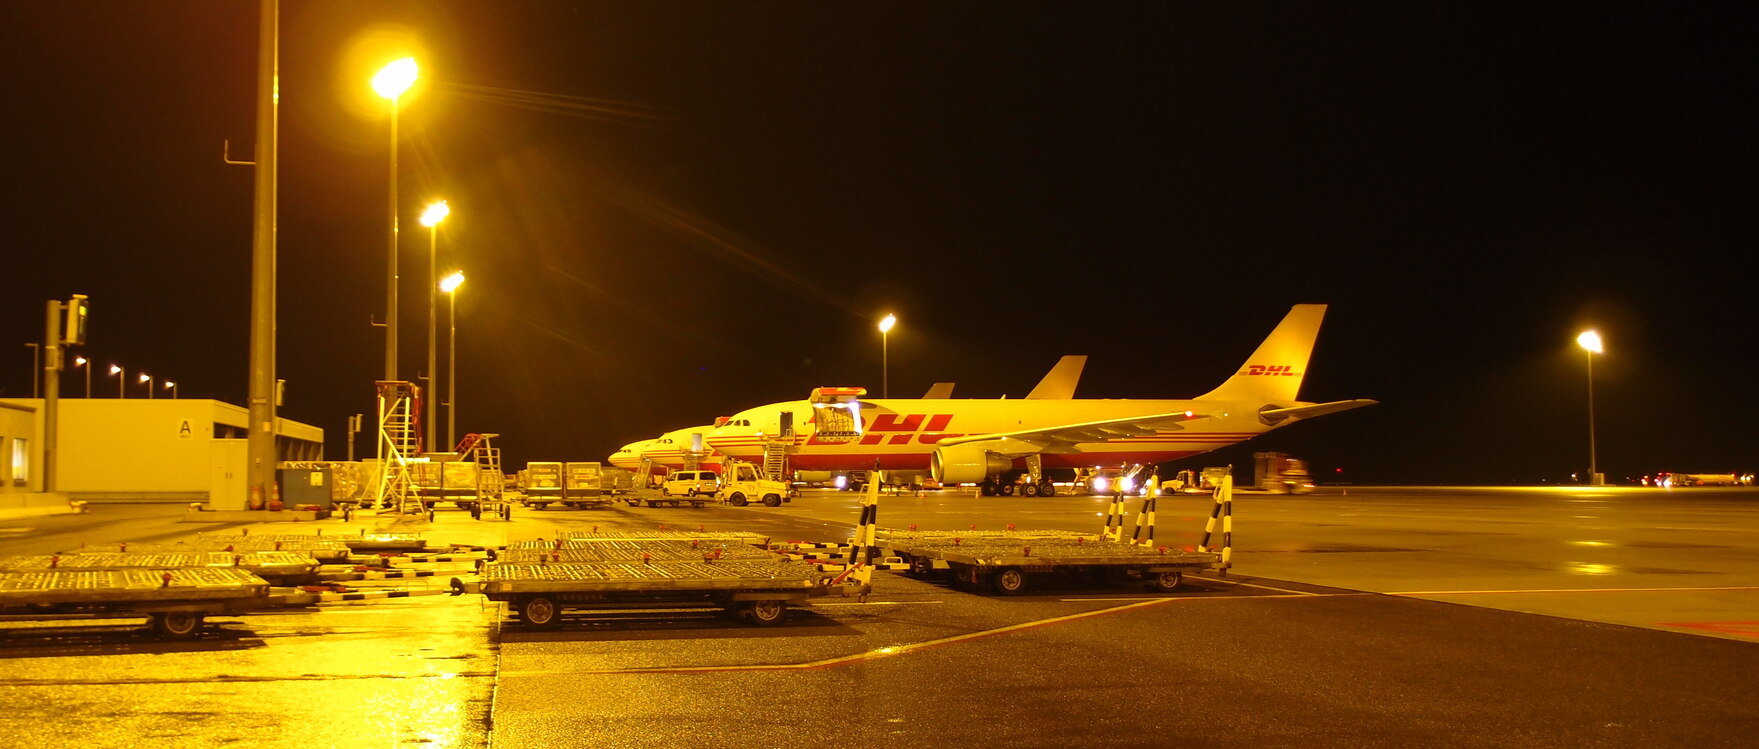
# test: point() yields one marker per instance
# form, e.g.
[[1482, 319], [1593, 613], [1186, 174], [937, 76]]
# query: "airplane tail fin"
[[1060, 382], [1274, 372]]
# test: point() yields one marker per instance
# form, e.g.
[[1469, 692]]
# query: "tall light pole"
[[431, 219], [80, 361], [261, 454], [36, 369], [147, 379], [1590, 342], [390, 82], [885, 327], [171, 386], [121, 380], [450, 286]]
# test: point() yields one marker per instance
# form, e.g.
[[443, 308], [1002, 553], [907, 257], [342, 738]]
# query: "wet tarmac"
[[1376, 618]]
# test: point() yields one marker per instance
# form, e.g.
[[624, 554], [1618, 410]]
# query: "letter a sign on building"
[[183, 432]]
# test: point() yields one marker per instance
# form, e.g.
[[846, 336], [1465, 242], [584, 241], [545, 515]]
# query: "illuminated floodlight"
[[1590, 340], [451, 283], [395, 78], [436, 212], [886, 325], [115, 369]]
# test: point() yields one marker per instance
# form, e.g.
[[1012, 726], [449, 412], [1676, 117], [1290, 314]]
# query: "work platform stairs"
[[399, 423], [775, 460]]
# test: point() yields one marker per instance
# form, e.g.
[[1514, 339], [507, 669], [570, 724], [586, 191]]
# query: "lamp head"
[[436, 212], [451, 283], [887, 324], [1589, 340], [395, 78], [115, 369]]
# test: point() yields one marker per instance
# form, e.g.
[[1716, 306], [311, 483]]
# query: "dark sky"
[[670, 211]]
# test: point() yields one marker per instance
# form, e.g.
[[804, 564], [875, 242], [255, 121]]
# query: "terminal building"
[[115, 449]]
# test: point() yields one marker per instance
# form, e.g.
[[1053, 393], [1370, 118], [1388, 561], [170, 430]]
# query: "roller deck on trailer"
[[759, 591], [283, 567], [636, 552], [1005, 559]]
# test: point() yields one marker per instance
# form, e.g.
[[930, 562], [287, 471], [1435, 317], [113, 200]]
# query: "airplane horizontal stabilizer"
[[1311, 410]]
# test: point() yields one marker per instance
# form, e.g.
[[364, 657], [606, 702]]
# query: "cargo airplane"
[[992, 442]]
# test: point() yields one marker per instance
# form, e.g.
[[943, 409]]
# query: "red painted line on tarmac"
[[1744, 629]]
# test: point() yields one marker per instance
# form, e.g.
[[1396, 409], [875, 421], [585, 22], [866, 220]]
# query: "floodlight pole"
[[51, 391], [260, 452]]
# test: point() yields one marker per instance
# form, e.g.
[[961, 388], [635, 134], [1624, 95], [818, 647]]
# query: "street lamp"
[[431, 219], [171, 386], [390, 82], [80, 361], [885, 327], [450, 285], [1590, 342], [121, 380], [147, 379]]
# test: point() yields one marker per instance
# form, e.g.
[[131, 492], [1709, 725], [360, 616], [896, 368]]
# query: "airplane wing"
[[1274, 415], [1061, 440]]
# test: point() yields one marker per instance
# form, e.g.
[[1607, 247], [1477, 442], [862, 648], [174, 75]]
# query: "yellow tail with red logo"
[[1274, 372]]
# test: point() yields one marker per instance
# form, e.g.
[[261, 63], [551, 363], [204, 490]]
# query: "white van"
[[690, 484]]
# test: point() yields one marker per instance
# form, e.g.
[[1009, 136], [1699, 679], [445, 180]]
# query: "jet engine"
[[961, 464]]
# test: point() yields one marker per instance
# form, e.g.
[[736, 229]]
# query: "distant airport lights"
[[1590, 341], [171, 385], [391, 82], [147, 379], [80, 361], [450, 285], [885, 329], [431, 218], [121, 380]]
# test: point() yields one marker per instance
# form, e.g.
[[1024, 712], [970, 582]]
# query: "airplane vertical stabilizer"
[[1060, 382], [1274, 372]]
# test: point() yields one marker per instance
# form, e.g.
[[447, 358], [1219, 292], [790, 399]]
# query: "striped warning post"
[[1114, 519], [1145, 520]]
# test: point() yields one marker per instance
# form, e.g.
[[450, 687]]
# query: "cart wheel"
[[1010, 581], [737, 500], [507, 512], [347, 513], [1166, 582], [538, 612], [476, 512], [177, 625], [767, 613], [772, 500], [1007, 490]]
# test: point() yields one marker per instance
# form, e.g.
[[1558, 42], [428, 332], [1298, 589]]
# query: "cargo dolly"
[[757, 591], [1005, 559], [175, 602], [279, 567]]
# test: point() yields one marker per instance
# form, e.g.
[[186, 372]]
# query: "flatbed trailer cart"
[[173, 601], [1006, 563], [636, 552], [277, 567], [664, 534], [322, 550], [757, 591]]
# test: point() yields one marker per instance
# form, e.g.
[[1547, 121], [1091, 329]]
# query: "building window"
[[21, 461]]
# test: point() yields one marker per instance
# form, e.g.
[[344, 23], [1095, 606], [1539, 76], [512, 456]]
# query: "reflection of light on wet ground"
[[1590, 543], [1589, 568]]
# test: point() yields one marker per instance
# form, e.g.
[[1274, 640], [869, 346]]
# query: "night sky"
[[671, 211]]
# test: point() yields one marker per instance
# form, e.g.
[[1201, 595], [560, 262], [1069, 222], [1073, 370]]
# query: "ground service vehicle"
[[582, 485], [1278, 473], [745, 485], [541, 483], [690, 484]]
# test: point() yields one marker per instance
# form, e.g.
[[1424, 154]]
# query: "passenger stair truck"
[[741, 484]]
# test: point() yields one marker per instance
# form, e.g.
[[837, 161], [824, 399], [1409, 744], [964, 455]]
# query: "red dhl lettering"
[[1275, 370], [929, 439], [891, 423]]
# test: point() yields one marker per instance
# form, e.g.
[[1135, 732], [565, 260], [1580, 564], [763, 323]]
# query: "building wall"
[[159, 446], [20, 422]]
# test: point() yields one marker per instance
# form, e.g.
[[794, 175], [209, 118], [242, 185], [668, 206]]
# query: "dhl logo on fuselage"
[[1274, 370], [898, 429]]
